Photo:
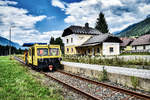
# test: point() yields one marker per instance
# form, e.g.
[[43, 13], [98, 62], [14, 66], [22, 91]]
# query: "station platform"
[[142, 73], [119, 75]]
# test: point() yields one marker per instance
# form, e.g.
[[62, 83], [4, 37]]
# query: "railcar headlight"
[[41, 59], [60, 59]]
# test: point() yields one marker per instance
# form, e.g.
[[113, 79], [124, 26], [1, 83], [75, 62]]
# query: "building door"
[[93, 51]]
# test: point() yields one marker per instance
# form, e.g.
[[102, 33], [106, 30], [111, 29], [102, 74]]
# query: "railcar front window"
[[42, 52], [54, 51]]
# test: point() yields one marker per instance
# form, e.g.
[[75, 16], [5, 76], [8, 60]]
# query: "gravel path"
[[96, 90], [111, 69]]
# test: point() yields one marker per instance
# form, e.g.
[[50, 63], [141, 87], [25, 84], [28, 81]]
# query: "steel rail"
[[129, 92], [72, 87], [87, 95]]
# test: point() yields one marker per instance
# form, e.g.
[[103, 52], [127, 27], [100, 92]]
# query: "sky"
[[38, 20]]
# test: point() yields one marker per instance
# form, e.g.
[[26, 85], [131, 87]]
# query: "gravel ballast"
[[95, 90]]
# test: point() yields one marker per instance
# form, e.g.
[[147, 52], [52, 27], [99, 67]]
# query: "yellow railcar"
[[43, 57]]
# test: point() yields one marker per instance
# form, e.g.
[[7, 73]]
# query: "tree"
[[60, 42], [57, 41], [4, 50], [101, 24], [52, 40]]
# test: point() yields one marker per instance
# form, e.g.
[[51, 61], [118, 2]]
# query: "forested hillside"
[[136, 29], [5, 42]]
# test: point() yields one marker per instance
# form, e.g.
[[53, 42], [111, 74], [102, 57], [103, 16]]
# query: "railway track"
[[96, 90], [87, 95]]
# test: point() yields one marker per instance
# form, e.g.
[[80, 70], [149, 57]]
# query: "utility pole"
[[10, 42]]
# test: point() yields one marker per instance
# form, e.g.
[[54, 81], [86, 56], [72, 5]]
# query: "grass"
[[16, 83], [134, 81]]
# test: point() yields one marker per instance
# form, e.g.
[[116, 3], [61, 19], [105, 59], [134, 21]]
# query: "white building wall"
[[139, 48], [106, 48], [78, 39], [147, 46], [133, 47]]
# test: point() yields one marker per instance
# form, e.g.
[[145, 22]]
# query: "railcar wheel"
[[32, 67], [38, 69]]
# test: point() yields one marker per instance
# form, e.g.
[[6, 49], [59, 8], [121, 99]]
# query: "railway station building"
[[85, 40]]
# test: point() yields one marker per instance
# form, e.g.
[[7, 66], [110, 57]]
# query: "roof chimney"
[[86, 25]]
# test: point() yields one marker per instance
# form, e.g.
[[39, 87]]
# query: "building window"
[[93, 51], [85, 52], [71, 49], [78, 51], [111, 49], [135, 47], [98, 50], [67, 49], [144, 47], [71, 40], [88, 50], [67, 40]]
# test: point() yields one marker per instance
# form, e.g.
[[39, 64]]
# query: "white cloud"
[[54, 34], [82, 12], [108, 3], [8, 2], [24, 30], [51, 17], [30, 36], [59, 4], [118, 13], [18, 17], [144, 9]]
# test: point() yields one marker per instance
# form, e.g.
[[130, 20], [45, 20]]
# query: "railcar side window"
[[42, 52], [54, 51], [33, 51]]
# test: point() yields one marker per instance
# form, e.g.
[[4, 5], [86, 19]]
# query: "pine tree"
[[101, 24]]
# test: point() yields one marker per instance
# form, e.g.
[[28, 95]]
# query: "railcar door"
[[33, 55], [30, 56]]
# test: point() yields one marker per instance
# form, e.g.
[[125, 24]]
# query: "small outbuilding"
[[126, 44]]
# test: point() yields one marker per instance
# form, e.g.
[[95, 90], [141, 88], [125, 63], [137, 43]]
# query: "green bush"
[[103, 76], [134, 81], [135, 53], [105, 61]]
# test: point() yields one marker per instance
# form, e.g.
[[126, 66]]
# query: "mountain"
[[4, 42], [148, 16], [137, 29], [116, 32]]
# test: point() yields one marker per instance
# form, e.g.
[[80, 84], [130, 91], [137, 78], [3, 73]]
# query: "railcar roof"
[[31, 44]]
